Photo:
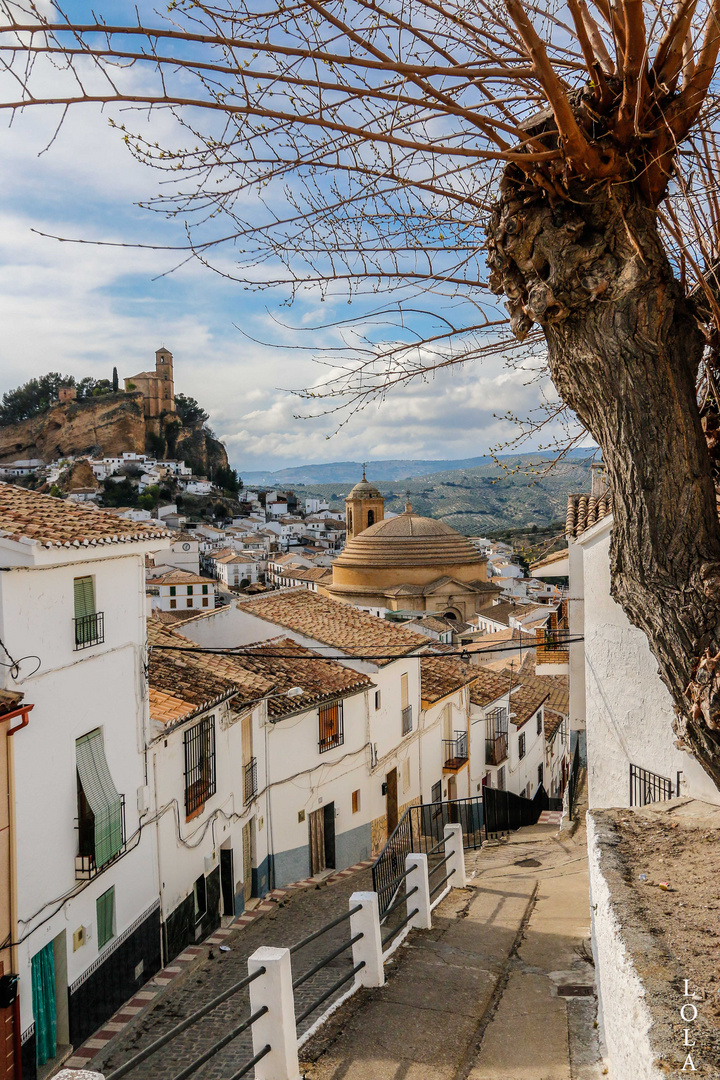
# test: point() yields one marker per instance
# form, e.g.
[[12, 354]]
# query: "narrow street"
[[496, 991]]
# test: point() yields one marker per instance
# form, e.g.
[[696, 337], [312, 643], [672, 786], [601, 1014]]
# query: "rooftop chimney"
[[598, 481]]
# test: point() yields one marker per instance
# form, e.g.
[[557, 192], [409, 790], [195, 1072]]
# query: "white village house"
[[85, 913]]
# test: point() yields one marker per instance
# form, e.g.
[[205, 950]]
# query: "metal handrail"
[[442, 862], [220, 1044], [400, 877], [398, 928], [401, 900], [440, 843], [325, 961], [253, 1061], [323, 930], [441, 883], [183, 1025], [328, 993]]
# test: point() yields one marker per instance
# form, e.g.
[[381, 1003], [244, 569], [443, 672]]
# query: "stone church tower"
[[364, 507], [157, 387]]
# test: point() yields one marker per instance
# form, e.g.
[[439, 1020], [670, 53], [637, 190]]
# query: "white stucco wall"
[[74, 692], [622, 1009], [629, 710]]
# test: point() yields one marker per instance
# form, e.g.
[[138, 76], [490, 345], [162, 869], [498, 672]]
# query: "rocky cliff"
[[109, 425]]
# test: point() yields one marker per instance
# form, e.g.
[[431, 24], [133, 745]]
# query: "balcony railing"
[[496, 750], [89, 630], [85, 866], [552, 646], [648, 787], [455, 751], [250, 778], [407, 720]]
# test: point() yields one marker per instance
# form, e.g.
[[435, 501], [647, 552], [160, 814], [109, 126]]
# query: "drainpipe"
[[24, 713]]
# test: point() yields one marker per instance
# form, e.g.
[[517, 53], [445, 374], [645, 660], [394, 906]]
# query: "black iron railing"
[[496, 750], [504, 811], [455, 751], [407, 720], [648, 787], [422, 829], [250, 780], [321, 964], [89, 630], [573, 781], [193, 1018]]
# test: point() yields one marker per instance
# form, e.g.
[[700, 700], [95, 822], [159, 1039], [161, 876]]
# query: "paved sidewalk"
[[287, 916], [482, 995]]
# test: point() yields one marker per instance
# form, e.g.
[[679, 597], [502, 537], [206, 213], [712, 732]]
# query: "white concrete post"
[[418, 867], [454, 848], [369, 947], [277, 1027]]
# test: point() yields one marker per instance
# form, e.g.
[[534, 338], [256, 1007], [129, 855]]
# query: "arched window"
[[371, 518]]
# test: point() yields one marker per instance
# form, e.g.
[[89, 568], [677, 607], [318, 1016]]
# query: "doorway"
[[248, 843], [329, 830], [316, 836], [227, 881], [452, 796], [50, 1005], [391, 800]]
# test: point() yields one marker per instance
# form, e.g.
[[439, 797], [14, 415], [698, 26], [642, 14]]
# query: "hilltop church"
[[407, 563], [157, 387]]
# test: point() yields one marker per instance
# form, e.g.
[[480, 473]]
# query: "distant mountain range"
[[476, 497], [349, 472]]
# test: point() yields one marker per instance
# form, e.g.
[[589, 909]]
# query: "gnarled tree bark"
[[624, 347]]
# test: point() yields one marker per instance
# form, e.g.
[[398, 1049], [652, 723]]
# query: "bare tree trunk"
[[624, 349]]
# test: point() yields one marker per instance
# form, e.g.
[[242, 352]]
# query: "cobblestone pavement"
[[296, 915]]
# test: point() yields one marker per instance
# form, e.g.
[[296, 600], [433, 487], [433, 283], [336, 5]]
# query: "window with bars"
[[436, 792], [105, 910], [501, 778], [521, 746], [89, 623], [331, 726], [199, 765], [540, 773], [539, 722]]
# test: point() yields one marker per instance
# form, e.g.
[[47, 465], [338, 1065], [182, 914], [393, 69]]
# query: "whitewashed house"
[[511, 724], [236, 571], [182, 553], [179, 590], [358, 638], [86, 913], [616, 693], [445, 726]]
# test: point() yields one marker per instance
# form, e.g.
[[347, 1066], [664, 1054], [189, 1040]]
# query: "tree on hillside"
[[560, 156], [189, 411], [33, 397]]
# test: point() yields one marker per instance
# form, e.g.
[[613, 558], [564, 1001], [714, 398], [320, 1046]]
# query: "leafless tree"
[[560, 153]]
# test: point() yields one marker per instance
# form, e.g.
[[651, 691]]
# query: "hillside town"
[[360, 715]]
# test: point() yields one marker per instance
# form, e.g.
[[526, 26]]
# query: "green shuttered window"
[[99, 790], [105, 906]]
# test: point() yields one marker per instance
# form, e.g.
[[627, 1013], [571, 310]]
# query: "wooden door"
[[392, 801], [316, 828], [247, 843]]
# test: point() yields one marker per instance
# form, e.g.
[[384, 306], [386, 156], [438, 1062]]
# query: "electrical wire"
[[14, 665]]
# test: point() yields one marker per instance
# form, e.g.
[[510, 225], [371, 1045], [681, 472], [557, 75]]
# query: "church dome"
[[406, 541], [364, 490]]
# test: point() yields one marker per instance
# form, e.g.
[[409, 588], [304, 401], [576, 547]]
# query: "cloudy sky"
[[81, 309]]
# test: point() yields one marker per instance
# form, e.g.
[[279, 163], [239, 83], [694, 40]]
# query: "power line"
[[239, 651]]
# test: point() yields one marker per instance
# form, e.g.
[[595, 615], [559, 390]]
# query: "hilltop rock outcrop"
[[106, 425]]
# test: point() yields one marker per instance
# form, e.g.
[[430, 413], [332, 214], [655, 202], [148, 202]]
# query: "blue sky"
[[82, 309]]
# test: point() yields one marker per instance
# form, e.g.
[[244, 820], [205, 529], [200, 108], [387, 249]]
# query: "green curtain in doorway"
[[43, 1003]]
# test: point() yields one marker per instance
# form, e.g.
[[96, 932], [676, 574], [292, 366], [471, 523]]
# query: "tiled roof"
[[585, 510], [501, 612], [525, 700], [181, 577], [556, 687], [171, 618], [553, 720], [184, 684], [443, 675], [488, 686], [434, 622], [28, 515], [549, 560], [355, 632], [320, 680], [9, 701], [427, 590]]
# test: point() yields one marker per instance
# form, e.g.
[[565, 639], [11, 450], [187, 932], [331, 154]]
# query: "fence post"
[[454, 847], [277, 1027], [417, 864], [369, 947]]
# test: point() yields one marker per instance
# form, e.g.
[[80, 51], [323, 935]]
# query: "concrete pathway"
[[496, 991]]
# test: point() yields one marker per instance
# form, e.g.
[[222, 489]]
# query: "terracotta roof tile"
[[488, 687], [29, 516], [9, 701], [356, 632], [181, 577], [553, 720], [584, 510], [443, 675]]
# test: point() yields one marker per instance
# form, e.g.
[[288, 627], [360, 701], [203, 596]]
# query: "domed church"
[[407, 563]]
